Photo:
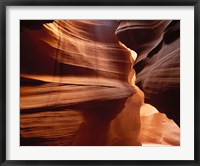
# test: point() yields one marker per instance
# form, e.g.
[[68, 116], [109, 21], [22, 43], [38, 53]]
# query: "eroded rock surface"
[[157, 44], [76, 75], [77, 88]]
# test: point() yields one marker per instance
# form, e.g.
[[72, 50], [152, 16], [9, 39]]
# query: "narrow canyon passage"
[[77, 83]]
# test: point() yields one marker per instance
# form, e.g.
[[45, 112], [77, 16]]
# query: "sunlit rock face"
[[157, 129], [157, 43], [75, 82]]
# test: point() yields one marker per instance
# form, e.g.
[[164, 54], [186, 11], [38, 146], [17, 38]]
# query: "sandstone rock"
[[73, 69], [157, 44], [77, 84]]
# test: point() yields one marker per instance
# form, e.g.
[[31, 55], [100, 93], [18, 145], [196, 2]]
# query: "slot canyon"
[[99, 83]]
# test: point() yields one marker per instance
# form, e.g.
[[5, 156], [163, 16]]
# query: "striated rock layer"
[[77, 88], [75, 79], [157, 43]]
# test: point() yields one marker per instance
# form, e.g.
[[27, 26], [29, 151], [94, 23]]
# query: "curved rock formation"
[[157, 44], [77, 87], [74, 68]]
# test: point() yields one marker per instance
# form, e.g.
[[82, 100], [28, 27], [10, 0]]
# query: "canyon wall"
[[77, 86], [157, 43], [75, 79]]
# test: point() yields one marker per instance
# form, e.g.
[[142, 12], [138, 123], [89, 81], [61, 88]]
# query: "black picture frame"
[[5, 3]]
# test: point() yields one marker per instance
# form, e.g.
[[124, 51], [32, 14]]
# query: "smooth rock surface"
[[77, 86], [75, 76], [157, 66]]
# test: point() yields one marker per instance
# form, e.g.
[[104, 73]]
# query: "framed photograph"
[[99, 83]]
